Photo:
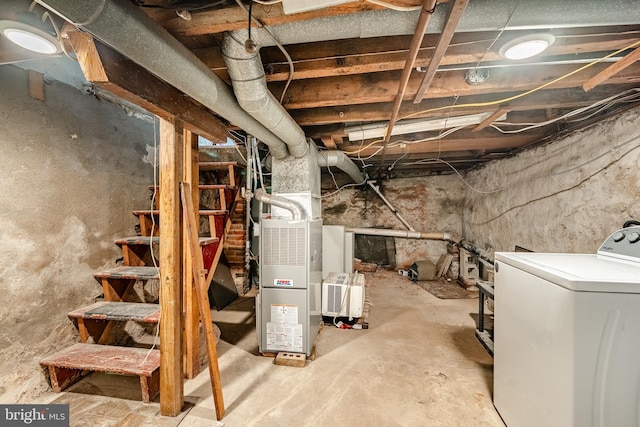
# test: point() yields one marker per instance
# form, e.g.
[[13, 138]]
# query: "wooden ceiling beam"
[[382, 87], [453, 144], [357, 56], [234, 18], [612, 70], [109, 70], [455, 13], [558, 99]]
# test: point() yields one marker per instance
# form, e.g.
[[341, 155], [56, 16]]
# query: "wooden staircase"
[[95, 322]]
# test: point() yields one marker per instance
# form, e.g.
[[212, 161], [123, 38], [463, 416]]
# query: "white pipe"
[[281, 202], [407, 234]]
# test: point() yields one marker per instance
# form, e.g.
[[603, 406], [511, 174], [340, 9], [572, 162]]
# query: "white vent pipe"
[[124, 27], [293, 207]]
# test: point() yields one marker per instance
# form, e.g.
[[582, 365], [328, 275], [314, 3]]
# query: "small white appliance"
[[567, 336], [343, 295]]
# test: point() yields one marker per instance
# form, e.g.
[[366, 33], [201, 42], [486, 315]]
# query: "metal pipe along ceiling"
[[250, 86], [130, 31]]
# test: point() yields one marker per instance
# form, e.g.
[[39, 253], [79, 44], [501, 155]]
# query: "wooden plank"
[[67, 366], [612, 70], [569, 98], [455, 13], [191, 352], [492, 118], [203, 298], [36, 85], [171, 373], [381, 87], [109, 70], [234, 18]]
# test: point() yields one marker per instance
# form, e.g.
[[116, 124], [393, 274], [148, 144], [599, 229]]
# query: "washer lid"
[[578, 272]]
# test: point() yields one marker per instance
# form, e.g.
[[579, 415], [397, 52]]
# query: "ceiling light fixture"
[[526, 46], [377, 130], [29, 33]]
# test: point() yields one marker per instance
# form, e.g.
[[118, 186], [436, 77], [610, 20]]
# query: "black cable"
[[178, 5], [630, 223]]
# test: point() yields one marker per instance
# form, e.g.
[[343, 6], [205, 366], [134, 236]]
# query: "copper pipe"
[[428, 7]]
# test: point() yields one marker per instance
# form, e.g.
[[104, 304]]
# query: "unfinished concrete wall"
[[72, 170], [428, 204], [567, 196]]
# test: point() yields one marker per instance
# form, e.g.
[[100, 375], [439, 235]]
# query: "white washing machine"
[[567, 336]]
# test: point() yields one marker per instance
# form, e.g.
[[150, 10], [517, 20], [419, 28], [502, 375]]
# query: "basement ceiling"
[[352, 66]]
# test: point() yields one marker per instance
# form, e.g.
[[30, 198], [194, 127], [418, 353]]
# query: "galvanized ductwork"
[[250, 86], [340, 160], [123, 26], [294, 207]]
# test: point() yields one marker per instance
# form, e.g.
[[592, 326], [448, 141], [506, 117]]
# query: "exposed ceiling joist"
[[108, 70], [455, 13], [612, 70]]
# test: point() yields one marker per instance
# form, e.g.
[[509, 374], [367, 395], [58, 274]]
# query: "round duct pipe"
[[293, 207], [250, 87], [124, 27]]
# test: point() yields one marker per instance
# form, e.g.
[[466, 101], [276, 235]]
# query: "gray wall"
[[72, 170], [427, 204], [567, 196]]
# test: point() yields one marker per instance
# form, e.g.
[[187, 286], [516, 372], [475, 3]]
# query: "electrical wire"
[[46, 15], [267, 3], [529, 92], [191, 7], [393, 6], [626, 96], [153, 225], [278, 44]]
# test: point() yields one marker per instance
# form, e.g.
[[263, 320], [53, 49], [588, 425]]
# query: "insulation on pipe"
[[281, 202]]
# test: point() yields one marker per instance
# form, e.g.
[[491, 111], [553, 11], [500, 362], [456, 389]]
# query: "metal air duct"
[[340, 160], [294, 207], [250, 86], [127, 29]]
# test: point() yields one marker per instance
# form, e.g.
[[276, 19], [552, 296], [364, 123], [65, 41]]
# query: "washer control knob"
[[617, 236], [633, 237]]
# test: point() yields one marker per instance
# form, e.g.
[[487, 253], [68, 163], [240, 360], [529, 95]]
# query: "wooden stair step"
[[68, 365], [118, 311], [202, 212], [131, 273], [204, 187], [204, 166], [147, 240]]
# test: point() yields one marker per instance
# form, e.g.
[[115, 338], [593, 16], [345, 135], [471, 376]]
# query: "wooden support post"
[[171, 383], [203, 299], [190, 303]]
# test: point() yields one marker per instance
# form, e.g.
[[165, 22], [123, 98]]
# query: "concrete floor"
[[419, 364]]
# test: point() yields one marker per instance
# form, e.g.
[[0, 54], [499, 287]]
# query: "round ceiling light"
[[526, 46], [29, 37]]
